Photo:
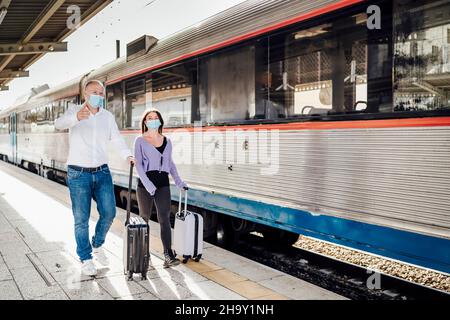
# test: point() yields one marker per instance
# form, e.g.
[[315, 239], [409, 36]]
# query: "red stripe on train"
[[332, 125], [312, 14]]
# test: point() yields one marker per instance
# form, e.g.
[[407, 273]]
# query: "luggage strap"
[[196, 235]]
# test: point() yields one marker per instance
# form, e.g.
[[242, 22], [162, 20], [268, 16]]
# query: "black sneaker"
[[170, 260]]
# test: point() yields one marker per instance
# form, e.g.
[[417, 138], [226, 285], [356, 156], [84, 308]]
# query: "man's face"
[[94, 88]]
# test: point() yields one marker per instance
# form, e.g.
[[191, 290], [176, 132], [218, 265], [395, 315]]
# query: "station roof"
[[30, 29]]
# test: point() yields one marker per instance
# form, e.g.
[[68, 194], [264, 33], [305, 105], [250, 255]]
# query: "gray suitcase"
[[136, 253]]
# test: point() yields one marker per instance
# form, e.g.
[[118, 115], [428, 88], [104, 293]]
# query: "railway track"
[[350, 280]]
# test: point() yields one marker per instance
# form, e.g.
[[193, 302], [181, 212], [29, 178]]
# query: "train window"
[[171, 92], [18, 124], [50, 115], [27, 119], [227, 85], [4, 126], [58, 108], [21, 122], [42, 119], [114, 102], [422, 55], [319, 70], [70, 102], [134, 102], [40, 122], [40, 115], [263, 107], [148, 90]]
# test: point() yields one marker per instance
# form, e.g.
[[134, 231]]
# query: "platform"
[[38, 259]]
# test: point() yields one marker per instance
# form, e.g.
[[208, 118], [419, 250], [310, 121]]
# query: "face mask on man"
[[153, 124], [96, 101]]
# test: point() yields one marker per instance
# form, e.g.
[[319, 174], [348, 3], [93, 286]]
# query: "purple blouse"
[[148, 158]]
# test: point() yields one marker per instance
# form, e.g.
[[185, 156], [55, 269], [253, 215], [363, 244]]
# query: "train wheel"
[[210, 220], [280, 237], [51, 175], [226, 236]]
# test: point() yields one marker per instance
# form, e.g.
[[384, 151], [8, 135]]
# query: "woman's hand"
[[131, 160], [185, 188]]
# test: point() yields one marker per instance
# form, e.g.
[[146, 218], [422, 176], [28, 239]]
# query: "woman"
[[153, 158]]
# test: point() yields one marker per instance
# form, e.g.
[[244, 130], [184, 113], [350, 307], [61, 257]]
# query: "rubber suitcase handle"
[[185, 202], [130, 182]]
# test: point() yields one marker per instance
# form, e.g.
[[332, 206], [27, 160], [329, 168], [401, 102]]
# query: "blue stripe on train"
[[426, 251]]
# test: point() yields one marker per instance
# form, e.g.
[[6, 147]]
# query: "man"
[[91, 127]]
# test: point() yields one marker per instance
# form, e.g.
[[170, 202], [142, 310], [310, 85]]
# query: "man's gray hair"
[[94, 81]]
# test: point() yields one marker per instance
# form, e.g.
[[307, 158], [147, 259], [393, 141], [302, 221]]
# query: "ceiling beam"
[[32, 48], [86, 16], [12, 74], [428, 87], [46, 14], [5, 3]]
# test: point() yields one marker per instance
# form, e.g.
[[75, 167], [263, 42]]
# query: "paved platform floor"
[[38, 259]]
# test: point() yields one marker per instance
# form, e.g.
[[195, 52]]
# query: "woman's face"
[[151, 116]]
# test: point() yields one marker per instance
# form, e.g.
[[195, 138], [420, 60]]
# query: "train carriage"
[[324, 118]]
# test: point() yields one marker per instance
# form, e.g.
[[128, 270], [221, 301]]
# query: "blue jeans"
[[85, 186]]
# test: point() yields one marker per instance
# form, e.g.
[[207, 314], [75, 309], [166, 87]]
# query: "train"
[[324, 118]]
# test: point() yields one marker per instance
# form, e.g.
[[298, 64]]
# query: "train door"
[[13, 136]]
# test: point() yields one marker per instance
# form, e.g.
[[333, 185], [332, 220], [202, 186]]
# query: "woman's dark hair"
[[146, 113]]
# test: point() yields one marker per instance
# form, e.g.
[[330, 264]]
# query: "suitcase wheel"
[[186, 258], [144, 276], [197, 258]]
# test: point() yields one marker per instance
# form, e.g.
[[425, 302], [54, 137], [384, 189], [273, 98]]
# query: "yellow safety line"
[[246, 288]]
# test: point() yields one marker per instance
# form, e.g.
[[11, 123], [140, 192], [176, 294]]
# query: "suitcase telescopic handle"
[[185, 202], [130, 182]]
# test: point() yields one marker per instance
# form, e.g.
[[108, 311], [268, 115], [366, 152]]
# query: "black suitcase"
[[136, 253]]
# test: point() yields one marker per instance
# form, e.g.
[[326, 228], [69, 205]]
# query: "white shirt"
[[89, 138]]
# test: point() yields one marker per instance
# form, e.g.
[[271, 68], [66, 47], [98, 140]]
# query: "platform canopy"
[[30, 29]]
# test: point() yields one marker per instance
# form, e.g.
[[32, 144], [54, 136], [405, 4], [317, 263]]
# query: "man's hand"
[[84, 113], [131, 160]]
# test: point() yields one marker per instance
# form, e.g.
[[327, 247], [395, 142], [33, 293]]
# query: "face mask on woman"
[[153, 124], [96, 101]]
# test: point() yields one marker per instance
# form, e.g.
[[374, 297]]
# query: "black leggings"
[[163, 202]]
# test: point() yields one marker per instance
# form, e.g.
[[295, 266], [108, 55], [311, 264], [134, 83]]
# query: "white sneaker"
[[88, 268], [100, 256]]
